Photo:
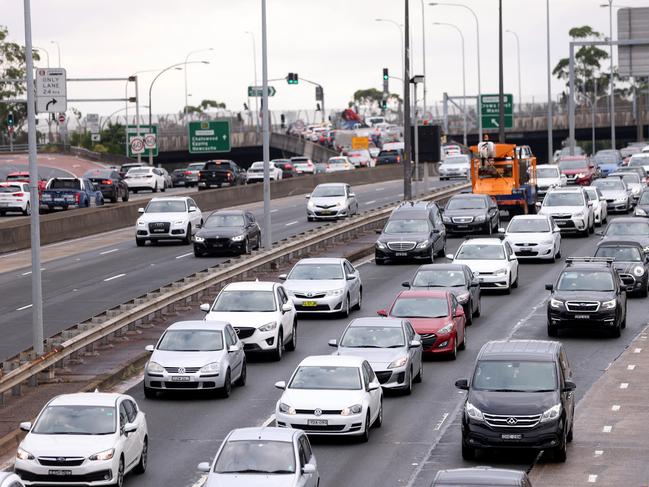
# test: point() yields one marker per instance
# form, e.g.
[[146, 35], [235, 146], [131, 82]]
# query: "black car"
[[128, 166], [220, 173], [631, 263], [642, 207], [455, 278], [109, 182], [628, 228], [481, 477], [413, 231], [178, 177], [471, 213], [228, 232], [520, 396], [388, 157], [588, 293], [288, 171]]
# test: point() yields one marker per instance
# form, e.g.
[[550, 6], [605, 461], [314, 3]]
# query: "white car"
[[15, 197], [303, 165], [171, 218], [338, 163], [331, 395], [640, 160], [600, 207], [89, 438], [492, 261], [633, 181], [150, 178], [261, 313], [331, 200], [534, 237], [360, 158], [570, 209], [457, 166], [549, 176], [324, 285], [255, 174]]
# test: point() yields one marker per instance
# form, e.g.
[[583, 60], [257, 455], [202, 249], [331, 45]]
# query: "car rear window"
[[65, 184]]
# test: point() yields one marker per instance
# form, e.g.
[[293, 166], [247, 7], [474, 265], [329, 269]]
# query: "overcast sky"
[[334, 42]]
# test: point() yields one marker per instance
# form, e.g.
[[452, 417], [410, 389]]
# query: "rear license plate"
[[61, 473], [317, 422], [309, 303], [180, 378], [511, 436], [401, 254], [582, 317]]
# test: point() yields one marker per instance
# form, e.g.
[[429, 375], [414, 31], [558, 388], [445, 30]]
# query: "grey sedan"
[[195, 355]]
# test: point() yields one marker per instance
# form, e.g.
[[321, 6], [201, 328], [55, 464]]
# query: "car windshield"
[[406, 226], [466, 204], [64, 184], [255, 166], [245, 302], [196, 165], [326, 377], [586, 281], [528, 225], [481, 252], [606, 158], [578, 164], [563, 199], [547, 172], [316, 272], [219, 221], [609, 184], [388, 153], [508, 376], [166, 207], [639, 161], [191, 341], [420, 307], [628, 228], [256, 456], [623, 254], [337, 160], [373, 337], [439, 278], [328, 191], [455, 160], [76, 420], [644, 198], [627, 177]]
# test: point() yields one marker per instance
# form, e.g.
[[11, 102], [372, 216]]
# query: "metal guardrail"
[[25, 367]]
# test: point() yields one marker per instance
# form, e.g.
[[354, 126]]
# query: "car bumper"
[[257, 341], [572, 225], [12, 206], [174, 233], [327, 304], [541, 437], [453, 175], [392, 378], [540, 251], [337, 425], [388, 254], [466, 227], [327, 214], [93, 473], [433, 343], [492, 282], [183, 382], [564, 318], [617, 205], [221, 247]]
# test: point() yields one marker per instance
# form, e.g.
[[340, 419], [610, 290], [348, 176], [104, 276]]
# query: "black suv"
[[466, 213], [520, 396], [587, 293], [414, 231], [630, 262]]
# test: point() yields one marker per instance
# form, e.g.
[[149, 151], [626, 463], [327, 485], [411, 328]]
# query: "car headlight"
[[23, 455], [335, 292], [638, 271], [621, 199], [463, 298], [547, 241], [238, 238], [580, 175], [355, 409], [473, 412], [609, 304], [446, 219], [646, 249], [154, 368], [640, 212], [380, 245], [500, 272], [555, 303], [212, 368], [423, 244], [268, 326], [103, 455], [400, 362], [286, 409], [310, 204], [446, 329], [480, 218], [198, 239], [553, 413]]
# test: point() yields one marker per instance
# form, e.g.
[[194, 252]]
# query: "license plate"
[[525, 249], [463, 226], [480, 279], [309, 303], [326, 212], [59, 200], [180, 378], [61, 473], [560, 223], [511, 436], [4, 204], [158, 230], [401, 254], [582, 317], [317, 422]]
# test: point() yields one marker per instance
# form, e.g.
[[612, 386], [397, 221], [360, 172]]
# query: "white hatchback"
[[14, 196], [492, 261], [534, 237], [151, 178]]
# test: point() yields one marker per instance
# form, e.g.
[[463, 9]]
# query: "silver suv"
[[570, 209]]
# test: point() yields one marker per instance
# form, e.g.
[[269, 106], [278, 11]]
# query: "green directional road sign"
[[259, 91], [144, 129], [490, 111], [209, 136]]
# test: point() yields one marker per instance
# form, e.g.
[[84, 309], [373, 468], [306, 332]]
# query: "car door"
[[195, 217], [460, 322], [287, 317], [129, 441], [251, 228], [511, 262], [568, 398], [414, 352], [351, 199], [439, 230], [374, 399], [136, 417], [494, 213], [473, 286], [306, 455], [556, 234], [235, 358]]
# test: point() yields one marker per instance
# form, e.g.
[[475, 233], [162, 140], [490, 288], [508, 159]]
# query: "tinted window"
[[439, 278], [609, 184], [466, 204], [256, 456], [407, 226], [644, 199], [99, 174], [328, 191], [563, 199], [579, 164], [315, 272], [323, 377], [586, 281], [65, 184], [481, 252], [245, 301], [171, 206], [191, 341], [628, 228], [131, 410], [497, 375], [624, 254], [527, 225], [218, 221], [547, 172]]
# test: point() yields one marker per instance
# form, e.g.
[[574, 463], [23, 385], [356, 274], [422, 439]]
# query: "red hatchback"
[[436, 316]]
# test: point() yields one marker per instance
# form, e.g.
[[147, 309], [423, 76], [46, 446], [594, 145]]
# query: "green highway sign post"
[[144, 129], [209, 136], [490, 105], [259, 91]]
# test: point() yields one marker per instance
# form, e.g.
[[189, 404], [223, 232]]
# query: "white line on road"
[[592, 478], [441, 422], [185, 255], [201, 481], [624, 385], [379, 189], [615, 407], [108, 251], [630, 367], [29, 272], [274, 211], [268, 421], [370, 202], [114, 277], [607, 429], [637, 350], [599, 453], [292, 223], [24, 307]]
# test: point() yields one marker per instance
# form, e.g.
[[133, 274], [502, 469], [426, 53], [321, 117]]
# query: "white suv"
[[261, 313], [571, 210], [175, 217]]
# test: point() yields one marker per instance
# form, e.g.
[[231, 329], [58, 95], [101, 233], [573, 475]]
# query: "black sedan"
[[178, 177], [630, 262], [471, 213], [628, 228], [109, 182], [288, 171], [228, 232]]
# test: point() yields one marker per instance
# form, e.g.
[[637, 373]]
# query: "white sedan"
[[331, 395], [172, 218], [14, 196], [339, 163], [92, 438], [534, 237], [600, 207]]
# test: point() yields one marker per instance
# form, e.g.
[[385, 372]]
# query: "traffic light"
[[10, 119], [385, 74], [292, 78], [384, 104]]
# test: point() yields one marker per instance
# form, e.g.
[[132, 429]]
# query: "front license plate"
[[61, 473], [309, 303], [158, 230], [511, 436], [180, 378], [463, 226], [401, 254], [317, 422], [582, 317], [560, 223], [525, 249], [326, 212]]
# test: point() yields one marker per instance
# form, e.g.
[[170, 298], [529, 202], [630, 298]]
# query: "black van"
[[481, 477], [520, 396]]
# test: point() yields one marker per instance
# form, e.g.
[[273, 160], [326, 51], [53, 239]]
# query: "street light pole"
[[501, 77], [185, 65], [58, 49], [47, 54], [254, 65], [268, 239], [518, 61], [612, 82], [549, 74], [407, 156], [423, 53]]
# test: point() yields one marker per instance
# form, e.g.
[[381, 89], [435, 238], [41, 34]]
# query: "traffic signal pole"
[[407, 139], [268, 239]]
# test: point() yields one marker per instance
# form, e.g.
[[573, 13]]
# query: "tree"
[[369, 99], [203, 107]]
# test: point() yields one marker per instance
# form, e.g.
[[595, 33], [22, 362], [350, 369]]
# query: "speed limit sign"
[[149, 141], [137, 145]]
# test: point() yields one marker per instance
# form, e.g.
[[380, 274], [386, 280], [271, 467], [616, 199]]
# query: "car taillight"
[[77, 197], [107, 181], [310, 164], [187, 173], [18, 194], [288, 167], [229, 175], [398, 158]]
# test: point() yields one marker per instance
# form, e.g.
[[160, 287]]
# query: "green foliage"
[[204, 106]]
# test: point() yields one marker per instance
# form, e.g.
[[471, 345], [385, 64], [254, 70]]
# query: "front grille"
[[383, 376], [159, 227], [325, 207], [562, 217], [244, 332], [627, 279], [526, 244], [318, 307], [61, 461], [504, 421], [401, 246], [186, 370], [462, 219], [217, 242], [428, 339], [582, 306], [322, 428], [181, 385], [312, 411], [310, 296], [89, 477]]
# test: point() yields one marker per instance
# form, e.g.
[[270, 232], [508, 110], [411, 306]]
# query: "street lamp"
[[549, 79], [518, 61], [400, 27], [254, 65], [423, 52], [47, 54], [58, 48], [185, 65], [459, 31], [477, 27]]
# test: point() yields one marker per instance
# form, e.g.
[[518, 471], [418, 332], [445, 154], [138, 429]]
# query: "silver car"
[[263, 457], [617, 194], [195, 355], [331, 200], [390, 345], [324, 285]]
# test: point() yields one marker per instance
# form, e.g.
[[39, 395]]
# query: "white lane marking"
[[292, 223], [114, 277], [637, 350], [201, 481], [615, 407], [599, 453], [274, 211], [268, 421], [108, 251], [185, 255], [439, 424], [370, 202], [379, 189], [29, 272], [624, 385], [24, 307], [607, 429], [592, 478], [630, 367]]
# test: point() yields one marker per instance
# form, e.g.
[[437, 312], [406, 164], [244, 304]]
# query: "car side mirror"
[[538, 205], [405, 284], [333, 343], [374, 385], [281, 384], [309, 469], [459, 311], [415, 344], [130, 428], [549, 287], [351, 277], [149, 348], [475, 283], [205, 307], [512, 257], [569, 386], [600, 233], [501, 230], [462, 384], [449, 256], [379, 231], [192, 209], [286, 307], [204, 467], [382, 312], [307, 196], [590, 204], [282, 277], [140, 210], [26, 426], [352, 195], [234, 348], [198, 226]]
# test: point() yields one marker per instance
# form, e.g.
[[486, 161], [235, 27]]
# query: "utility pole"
[[268, 240], [407, 169], [501, 88], [549, 75]]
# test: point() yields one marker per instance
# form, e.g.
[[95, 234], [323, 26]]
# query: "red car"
[[436, 316], [578, 169], [23, 177]]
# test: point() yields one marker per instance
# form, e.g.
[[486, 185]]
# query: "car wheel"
[[155, 188], [119, 476], [113, 199], [559, 253], [279, 349], [515, 283], [150, 393], [198, 253], [508, 290], [164, 187], [644, 291], [378, 422], [462, 345], [442, 251], [570, 436], [617, 331], [468, 453], [553, 330], [452, 355], [247, 249], [360, 300], [591, 229], [407, 390], [140, 468], [560, 453], [379, 261], [28, 209], [241, 381], [469, 315], [227, 385], [365, 436], [420, 375], [605, 219], [309, 219], [125, 196], [140, 242], [292, 345], [3, 213], [345, 307], [188, 235], [477, 311]]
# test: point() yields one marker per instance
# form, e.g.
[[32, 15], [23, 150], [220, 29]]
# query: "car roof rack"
[[590, 260]]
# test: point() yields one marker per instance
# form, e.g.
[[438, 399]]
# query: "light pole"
[[459, 31], [423, 53], [185, 65], [400, 27], [477, 30], [612, 79], [549, 75], [47, 54], [268, 239], [254, 66], [518, 61], [58, 49]]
